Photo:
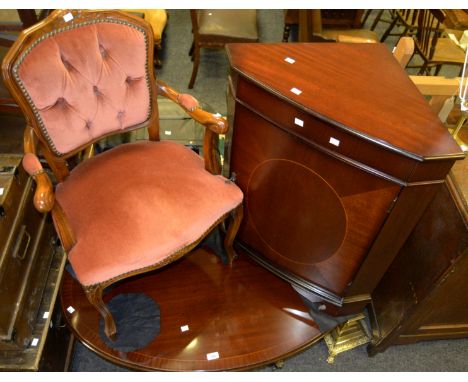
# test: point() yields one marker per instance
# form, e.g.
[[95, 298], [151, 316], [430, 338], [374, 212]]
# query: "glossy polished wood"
[[44, 198], [318, 225], [422, 295], [360, 87], [317, 131], [243, 312], [338, 156], [456, 18]]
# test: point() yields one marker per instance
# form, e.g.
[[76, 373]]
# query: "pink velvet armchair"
[[79, 76]]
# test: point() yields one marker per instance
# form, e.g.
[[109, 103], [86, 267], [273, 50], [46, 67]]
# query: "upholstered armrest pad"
[[189, 103], [44, 195], [31, 164]]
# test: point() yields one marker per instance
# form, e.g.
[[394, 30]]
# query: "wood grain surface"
[[243, 312], [357, 86]]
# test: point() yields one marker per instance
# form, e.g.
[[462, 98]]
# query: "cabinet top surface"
[[359, 87]]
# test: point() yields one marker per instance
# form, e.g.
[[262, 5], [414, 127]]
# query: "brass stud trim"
[[50, 34]]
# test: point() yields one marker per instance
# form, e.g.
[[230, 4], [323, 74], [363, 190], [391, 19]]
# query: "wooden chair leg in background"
[[286, 32], [190, 53], [404, 51], [231, 232], [157, 55], [196, 64], [94, 296], [388, 30]]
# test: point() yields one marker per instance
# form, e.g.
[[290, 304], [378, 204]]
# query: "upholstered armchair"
[[79, 76]]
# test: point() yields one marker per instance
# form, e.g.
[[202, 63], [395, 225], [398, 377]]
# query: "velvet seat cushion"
[[135, 205]]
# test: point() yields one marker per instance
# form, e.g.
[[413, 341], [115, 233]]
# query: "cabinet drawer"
[[313, 130], [12, 187], [18, 258]]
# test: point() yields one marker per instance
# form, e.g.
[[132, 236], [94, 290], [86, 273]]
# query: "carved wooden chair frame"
[[206, 41], [430, 29], [35, 141]]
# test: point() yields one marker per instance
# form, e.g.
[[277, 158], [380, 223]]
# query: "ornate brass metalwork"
[[347, 336], [461, 121]]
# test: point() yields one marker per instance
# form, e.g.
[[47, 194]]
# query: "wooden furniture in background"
[[402, 18], [435, 50], [436, 86], [379, 17], [337, 163], [65, 144], [214, 28], [331, 19], [13, 22], [31, 267], [456, 18], [423, 296], [342, 18], [311, 30], [404, 51], [157, 18], [19, 19]]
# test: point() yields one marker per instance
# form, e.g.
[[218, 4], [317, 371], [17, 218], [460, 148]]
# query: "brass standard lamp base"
[[455, 131], [347, 336]]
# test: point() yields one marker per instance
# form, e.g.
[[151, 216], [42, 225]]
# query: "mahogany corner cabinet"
[[338, 156]]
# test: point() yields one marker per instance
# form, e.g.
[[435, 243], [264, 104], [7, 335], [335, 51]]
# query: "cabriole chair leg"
[[231, 232], [94, 295]]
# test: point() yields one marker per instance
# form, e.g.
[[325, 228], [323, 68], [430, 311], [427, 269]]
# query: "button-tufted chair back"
[[83, 80]]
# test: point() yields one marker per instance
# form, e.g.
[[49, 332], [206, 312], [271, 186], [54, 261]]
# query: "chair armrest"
[[44, 196], [218, 125]]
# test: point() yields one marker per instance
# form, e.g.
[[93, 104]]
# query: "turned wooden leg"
[[94, 295], [196, 63], [286, 31], [389, 29], [157, 56], [423, 70], [190, 53], [231, 232], [376, 20]]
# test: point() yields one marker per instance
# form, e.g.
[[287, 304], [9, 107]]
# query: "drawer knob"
[[334, 141]]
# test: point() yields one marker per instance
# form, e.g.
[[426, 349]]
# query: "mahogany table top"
[[235, 317]]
